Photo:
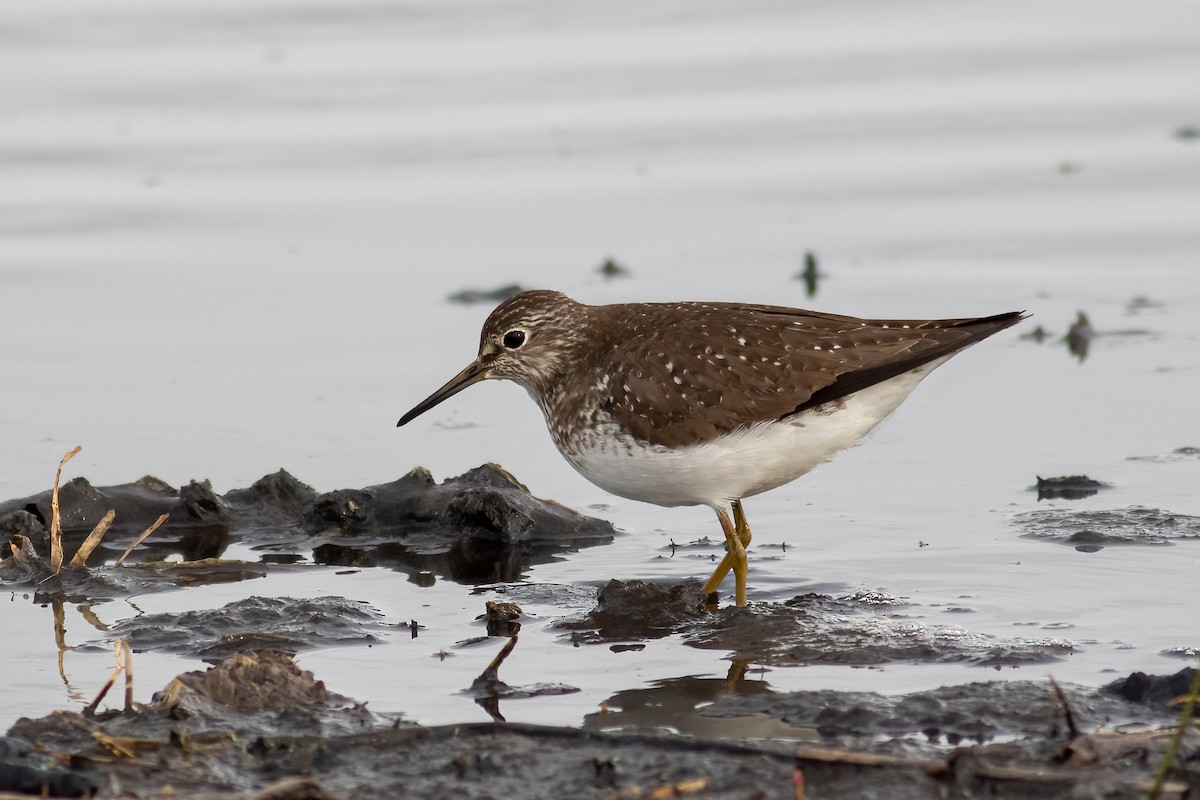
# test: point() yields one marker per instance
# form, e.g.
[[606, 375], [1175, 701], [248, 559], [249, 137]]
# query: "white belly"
[[745, 462]]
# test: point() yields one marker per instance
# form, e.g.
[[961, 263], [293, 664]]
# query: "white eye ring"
[[513, 340]]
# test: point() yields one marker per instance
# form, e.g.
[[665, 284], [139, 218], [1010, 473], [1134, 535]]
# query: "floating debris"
[[810, 275], [1038, 334], [1079, 337], [611, 269], [501, 617], [500, 293], [1070, 487]]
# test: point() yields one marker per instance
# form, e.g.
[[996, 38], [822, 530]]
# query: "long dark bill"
[[472, 374]]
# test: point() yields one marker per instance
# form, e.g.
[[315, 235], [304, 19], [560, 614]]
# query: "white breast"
[[742, 463]]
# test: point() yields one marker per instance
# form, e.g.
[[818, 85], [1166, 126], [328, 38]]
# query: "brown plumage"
[[686, 403], [709, 368]]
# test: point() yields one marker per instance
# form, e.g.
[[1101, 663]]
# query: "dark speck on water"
[[500, 293], [810, 276], [1079, 337], [612, 269]]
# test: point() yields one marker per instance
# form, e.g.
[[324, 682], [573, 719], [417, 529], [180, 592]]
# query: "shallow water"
[[230, 232]]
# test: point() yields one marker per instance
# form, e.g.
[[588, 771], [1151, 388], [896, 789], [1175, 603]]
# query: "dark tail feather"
[[977, 330], [986, 326]]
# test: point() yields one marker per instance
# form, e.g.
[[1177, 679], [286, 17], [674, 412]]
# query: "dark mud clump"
[[284, 624], [1069, 487], [483, 525], [861, 629], [480, 527], [1089, 531], [637, 610], [258, 726]]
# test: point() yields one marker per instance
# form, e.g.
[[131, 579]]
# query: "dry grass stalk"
[[60, 635], [22, 551], [85, 611], [492, 672], [1072, 727], [92, 540], [121, 654], [128, 674], [56, 551], [1185, 721], [144, 535]]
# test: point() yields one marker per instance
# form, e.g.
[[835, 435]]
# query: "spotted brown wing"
[[694, 370]]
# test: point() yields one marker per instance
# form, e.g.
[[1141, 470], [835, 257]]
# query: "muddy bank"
[[258, 726], [479, 527], [255, 725]]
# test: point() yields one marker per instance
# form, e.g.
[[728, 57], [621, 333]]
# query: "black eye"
[[513, 339]]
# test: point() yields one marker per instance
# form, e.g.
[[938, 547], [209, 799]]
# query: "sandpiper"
[[706, 403]]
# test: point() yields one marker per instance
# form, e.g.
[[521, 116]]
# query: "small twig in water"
[[492, 671], [60, 636], [1072, 728], [120, 653], [92, 540], [144, 535], [128, 674]]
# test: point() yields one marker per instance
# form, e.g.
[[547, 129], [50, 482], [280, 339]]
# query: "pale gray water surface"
[[229, 231]]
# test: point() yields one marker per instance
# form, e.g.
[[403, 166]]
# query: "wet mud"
[[479, 527], [1093, 529], [286, 624], [255, 725], [258, 726], [860, 629]]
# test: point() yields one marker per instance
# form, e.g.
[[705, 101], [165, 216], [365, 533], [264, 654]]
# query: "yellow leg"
[[737, 536], [739, 521], [743, 530]]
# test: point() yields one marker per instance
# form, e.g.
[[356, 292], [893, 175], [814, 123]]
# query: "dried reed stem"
[[145, 534], [92, 540], [56, 551]]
